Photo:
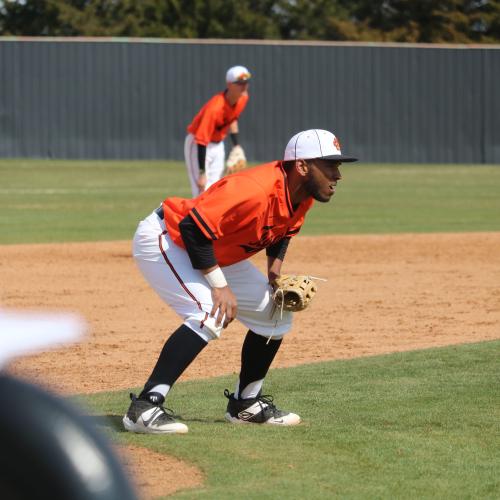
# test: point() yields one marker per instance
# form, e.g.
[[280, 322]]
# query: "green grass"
[[57, 201], [412, 198], [422, 424]]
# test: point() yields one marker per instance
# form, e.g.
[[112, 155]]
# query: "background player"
[[194, 253], [204, 145]]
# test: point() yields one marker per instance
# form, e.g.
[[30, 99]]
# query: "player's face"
[[239, 88], [322, 178]]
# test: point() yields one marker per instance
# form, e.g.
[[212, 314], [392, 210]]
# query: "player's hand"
[[201, 182], [272, 278], [273, 269], [225, 305]]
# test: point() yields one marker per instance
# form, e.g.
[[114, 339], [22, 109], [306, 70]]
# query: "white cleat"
[[146, 417]]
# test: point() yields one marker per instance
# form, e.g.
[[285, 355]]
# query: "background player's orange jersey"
[[212, 121], [242, 213]]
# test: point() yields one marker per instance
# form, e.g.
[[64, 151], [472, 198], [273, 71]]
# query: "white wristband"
[[216, 278]]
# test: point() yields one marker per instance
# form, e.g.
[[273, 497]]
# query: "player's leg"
[[191, 159], [146, 413], [263, 340], [168, 270], [214, 162]]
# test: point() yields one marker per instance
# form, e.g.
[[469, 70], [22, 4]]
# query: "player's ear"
[[301, 167]]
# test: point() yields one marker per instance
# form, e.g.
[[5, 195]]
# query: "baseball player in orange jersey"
[[194, 253], [204, 145]]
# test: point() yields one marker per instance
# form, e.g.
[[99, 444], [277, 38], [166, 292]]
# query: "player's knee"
[[275, 326], [204, 327]]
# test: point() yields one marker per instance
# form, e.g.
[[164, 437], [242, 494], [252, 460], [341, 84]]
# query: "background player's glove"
[[236, 160], [293, 293]]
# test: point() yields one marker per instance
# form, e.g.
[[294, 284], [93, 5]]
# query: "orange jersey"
[[241, 213], [213, 120]]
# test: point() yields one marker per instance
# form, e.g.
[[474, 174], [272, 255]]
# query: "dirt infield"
[[384, 294]]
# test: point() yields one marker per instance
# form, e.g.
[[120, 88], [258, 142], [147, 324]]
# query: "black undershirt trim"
[[202, 154], [234, 138], [199, 248], [278, 249]]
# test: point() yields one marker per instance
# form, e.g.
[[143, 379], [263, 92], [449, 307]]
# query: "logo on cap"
[[336, 143], [243, 76]]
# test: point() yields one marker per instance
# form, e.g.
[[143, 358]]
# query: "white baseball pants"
[[167, 268], [214, 162]]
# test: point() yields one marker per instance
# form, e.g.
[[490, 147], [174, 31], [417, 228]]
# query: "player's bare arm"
[[234, 133], [275, 256], [225, 304], [233, 128], [201, 182], [273, 268]]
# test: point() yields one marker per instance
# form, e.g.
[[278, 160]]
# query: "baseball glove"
[[293, 293], [236, 160]]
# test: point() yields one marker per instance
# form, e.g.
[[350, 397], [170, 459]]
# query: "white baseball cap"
[[238, 74], [315, 143]]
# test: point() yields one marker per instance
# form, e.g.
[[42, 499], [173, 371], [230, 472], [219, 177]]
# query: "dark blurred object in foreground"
[[49, 450]]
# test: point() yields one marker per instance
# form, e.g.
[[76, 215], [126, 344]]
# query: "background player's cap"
[[238, 74], [315, 143]]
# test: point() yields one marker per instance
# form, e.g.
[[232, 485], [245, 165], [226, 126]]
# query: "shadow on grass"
[[114, 422], [109, 421]]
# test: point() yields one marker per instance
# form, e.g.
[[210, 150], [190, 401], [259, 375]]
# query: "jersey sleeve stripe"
[[204, 225]]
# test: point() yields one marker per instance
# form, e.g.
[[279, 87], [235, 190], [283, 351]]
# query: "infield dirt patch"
[[384, 294]]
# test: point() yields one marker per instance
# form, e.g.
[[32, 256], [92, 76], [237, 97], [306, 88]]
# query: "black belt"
[[159, 212]]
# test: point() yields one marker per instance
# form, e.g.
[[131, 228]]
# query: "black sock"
[[179, 351], [257, 354]]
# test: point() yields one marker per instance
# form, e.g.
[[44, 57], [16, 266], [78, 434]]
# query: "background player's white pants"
[[214, 162], [168, 270]]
